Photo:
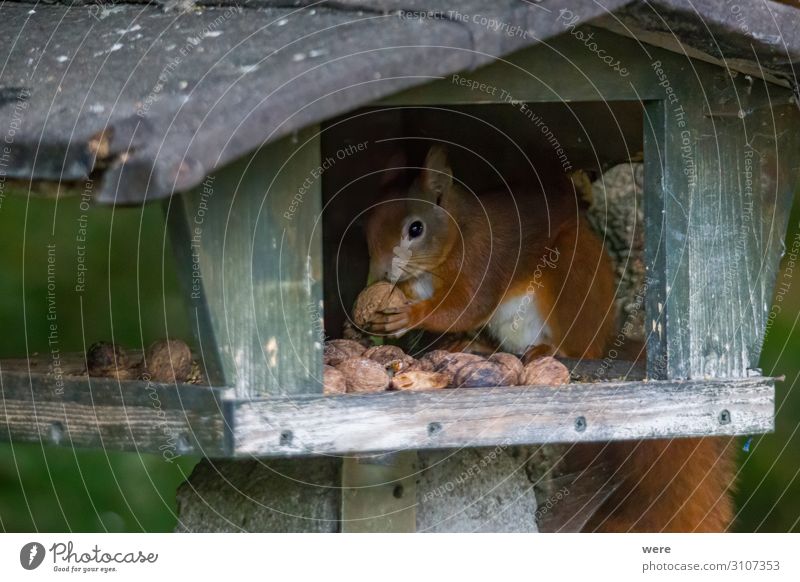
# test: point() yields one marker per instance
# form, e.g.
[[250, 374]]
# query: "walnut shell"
[[168, 361], [420, 366], [390, 357], [333, 381], [455, 361], [419, 380], [380, 295], [107, 359], [434, 358], [545, 370], [511, 363], [480, 374], [338, 350], [364, 375]]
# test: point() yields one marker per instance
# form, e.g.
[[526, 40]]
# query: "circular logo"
[[31, 555]]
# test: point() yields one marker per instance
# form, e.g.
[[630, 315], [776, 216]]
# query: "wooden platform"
[[134, 415]]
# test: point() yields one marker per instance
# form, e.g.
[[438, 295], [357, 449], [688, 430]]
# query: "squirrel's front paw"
[[391, 321]]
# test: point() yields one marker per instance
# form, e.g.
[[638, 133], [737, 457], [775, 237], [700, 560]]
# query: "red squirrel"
[[527, 270]]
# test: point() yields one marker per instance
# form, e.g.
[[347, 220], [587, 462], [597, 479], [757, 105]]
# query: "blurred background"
[[131, 297]]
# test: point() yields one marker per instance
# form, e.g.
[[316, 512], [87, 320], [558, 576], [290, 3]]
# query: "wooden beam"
[[476, 417], [104, 413]]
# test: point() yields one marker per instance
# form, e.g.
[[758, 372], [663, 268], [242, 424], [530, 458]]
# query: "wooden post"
[[717, 196], [248, 246]]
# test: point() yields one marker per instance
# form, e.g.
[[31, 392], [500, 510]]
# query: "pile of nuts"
[[350, 367], [164, 361]]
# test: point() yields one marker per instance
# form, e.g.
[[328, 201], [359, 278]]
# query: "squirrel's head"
[[414, 228]]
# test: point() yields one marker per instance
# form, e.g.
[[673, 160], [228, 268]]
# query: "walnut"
[[419, 380], [511, 363], [392, 358], [481, 374], [105, 359], [545, 370], [364, 375], [167, 361], [380, 295], [453, 362], [333, 381], [434, 358], [337, 351]]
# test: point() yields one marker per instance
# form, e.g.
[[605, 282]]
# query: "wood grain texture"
[[487, 416], [249, 253], [721, 158], [102, 413]]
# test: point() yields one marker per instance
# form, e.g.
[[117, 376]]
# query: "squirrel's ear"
[[396, 169], [437, 177]]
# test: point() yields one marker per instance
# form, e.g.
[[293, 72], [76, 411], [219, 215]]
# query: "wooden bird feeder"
[[233, 143]]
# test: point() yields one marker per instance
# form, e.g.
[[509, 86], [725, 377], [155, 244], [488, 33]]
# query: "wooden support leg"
[[248, 247]]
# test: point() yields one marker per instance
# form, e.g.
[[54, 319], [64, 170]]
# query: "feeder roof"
[[148, 98]]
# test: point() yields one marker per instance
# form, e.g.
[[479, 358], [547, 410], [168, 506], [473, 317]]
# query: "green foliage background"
[[132, 297]]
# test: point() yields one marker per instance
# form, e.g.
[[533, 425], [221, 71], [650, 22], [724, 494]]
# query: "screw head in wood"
[[580, 424], [725, 417]]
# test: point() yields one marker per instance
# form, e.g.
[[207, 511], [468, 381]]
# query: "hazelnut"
[[480, 374], [364, 375], [545, 370], [338, 350], [168, 361], [333, 381], [419, 380], [380, 295]]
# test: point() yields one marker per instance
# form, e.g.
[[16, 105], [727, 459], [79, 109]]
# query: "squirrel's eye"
[[415, 229]]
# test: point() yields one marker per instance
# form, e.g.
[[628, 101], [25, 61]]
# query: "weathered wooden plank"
[[103, 413], [527, 75], [488, 416], [721, 154], [249, 252]]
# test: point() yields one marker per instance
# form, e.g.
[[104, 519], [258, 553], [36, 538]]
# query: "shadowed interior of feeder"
[[490, 146]]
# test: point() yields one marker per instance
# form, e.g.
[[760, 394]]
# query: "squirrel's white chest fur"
[[517, 324]]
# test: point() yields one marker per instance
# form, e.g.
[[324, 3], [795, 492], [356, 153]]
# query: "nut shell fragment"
[[419, 380]]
